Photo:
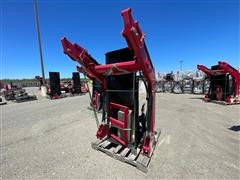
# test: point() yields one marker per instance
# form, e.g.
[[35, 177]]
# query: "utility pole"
[[181, 61], [39, 41]]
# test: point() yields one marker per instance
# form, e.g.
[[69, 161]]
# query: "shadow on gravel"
[[234, 128]]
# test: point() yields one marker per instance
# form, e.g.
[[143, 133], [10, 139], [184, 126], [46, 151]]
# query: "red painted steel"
[[118, 139], [204, 69], [117, 68], [102, 131], [79, 54], [141, 62], [224, 68], [96, 100], [209, 71], [234, 73], [120, 124], [135, 40], [116, 122], [81, 70]]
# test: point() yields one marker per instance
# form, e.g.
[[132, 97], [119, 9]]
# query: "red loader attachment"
[[124, 133], [96, 96], [224, 83]]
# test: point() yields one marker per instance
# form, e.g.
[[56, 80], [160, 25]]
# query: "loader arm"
[[228, 68], [204, 69], [79, 54], [210, 72], [135, 40], [234, 73], [83, 71]]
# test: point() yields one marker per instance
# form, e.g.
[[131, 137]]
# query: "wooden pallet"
[[225, 103], [3, 103], [125, 154], [221, 102]]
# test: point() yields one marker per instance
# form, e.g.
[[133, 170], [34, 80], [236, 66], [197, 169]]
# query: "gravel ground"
[[47, 139]]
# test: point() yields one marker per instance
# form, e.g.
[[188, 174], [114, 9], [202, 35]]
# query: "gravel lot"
[[47, 139]]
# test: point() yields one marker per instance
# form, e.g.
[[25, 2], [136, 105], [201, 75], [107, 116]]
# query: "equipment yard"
[[52, 139]]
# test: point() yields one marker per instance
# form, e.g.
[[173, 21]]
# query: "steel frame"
[[141, 62], [224, 69]]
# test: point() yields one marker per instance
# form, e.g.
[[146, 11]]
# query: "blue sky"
[[197, 32]]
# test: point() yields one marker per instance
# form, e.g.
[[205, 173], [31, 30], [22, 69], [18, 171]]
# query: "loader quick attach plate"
[[125, 154]]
